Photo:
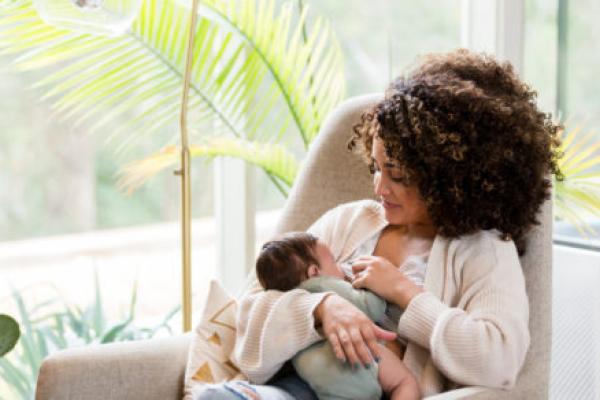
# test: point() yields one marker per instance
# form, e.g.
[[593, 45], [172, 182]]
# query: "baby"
[[300, 260]]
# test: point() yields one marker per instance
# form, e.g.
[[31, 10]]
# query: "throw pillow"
[[212, 342]]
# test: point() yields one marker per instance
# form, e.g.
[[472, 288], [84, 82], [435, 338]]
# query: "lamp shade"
[[98, 17]]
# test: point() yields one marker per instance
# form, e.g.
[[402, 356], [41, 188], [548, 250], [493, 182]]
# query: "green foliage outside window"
[[55, 325]]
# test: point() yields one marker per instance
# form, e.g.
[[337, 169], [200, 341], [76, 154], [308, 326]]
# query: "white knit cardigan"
[[469, 327]]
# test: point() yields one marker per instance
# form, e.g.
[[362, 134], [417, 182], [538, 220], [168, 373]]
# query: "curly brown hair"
[[468, 133]]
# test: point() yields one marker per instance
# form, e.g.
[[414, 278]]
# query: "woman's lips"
[[388, 205]]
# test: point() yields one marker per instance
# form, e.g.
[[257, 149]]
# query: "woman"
[[461, 158]]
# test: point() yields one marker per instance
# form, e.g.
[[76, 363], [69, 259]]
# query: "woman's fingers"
[[348, 347], [359, 282], [382, 334], [359, 266], [371, 341], [337, 347], [360, 346], [352, 335]]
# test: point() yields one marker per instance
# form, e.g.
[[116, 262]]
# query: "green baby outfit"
[[330, 378]]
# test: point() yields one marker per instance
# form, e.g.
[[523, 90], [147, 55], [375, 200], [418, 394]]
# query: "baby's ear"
[[313, 270]]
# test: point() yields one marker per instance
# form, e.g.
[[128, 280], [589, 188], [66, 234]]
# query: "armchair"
[[154, 369]]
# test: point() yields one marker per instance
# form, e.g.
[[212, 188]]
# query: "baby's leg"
[[395, 378], [239, 390]]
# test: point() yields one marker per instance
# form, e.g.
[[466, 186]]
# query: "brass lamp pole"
[[184, 173]]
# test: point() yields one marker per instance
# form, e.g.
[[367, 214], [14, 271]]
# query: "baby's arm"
[[395, 378]]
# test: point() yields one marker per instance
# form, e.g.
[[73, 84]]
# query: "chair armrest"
[[145, 369]]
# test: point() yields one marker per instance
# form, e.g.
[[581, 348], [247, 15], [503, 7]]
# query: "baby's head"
[[292, 258]]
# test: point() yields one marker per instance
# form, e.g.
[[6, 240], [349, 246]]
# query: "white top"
[[413, 267]]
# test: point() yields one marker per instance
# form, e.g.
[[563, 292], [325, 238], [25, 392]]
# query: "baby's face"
[[327, 263]]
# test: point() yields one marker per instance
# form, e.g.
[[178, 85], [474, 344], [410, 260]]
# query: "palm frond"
[[306, 67], [136, 78], [578, 195], [115, 76], [272, 158]]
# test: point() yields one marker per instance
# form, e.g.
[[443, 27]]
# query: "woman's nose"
[[380, 185]]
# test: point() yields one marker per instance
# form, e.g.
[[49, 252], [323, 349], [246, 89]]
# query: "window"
[[561, 62]]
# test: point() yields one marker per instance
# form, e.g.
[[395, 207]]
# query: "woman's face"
[[402, 202]]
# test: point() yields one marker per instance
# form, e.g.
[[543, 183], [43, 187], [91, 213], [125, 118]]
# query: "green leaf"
[[578, 195], [294, 61], [114, 332], [16, 379], [27, 340], [9, 333], [99, 320], [273, 158]]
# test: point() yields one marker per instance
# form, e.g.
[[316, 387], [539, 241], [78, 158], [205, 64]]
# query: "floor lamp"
[[113, 18]]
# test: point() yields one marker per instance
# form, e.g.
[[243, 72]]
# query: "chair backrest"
[[332, 175]]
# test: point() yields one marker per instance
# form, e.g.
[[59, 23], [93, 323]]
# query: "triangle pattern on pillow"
[[204, 374], [215, 319], [215, 339]]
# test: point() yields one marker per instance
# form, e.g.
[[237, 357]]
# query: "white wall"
[[575, 372]]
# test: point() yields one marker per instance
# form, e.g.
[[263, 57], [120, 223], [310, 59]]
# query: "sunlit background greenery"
[[57, 179]]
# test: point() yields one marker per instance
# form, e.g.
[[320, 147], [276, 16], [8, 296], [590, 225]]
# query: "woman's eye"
[[403, 180]]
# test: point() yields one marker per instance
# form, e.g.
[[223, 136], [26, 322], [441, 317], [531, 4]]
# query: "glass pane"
[[63, 180], [562, 58], [583, 62], [540, 49], [380, 38]]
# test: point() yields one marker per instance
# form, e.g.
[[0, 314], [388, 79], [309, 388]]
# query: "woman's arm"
[[272, 326], [484, 339]]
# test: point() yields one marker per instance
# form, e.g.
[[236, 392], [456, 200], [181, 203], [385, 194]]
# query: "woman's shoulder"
[[484, 242]]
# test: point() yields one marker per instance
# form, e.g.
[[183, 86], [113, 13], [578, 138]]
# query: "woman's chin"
[[394, 217]]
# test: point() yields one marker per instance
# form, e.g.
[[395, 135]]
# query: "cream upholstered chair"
[[331, 175]]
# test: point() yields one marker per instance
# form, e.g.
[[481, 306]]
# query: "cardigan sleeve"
[[484, 339], [272, 327]]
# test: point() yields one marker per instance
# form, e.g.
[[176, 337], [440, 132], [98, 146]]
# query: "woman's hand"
[[383, 278], [353, 336]]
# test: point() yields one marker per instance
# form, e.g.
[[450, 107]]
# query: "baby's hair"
[[283, 262]]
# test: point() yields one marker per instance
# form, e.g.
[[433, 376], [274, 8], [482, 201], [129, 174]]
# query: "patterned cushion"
[[212, 342]]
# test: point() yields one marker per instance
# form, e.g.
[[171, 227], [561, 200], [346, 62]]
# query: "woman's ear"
[[313, 270]]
